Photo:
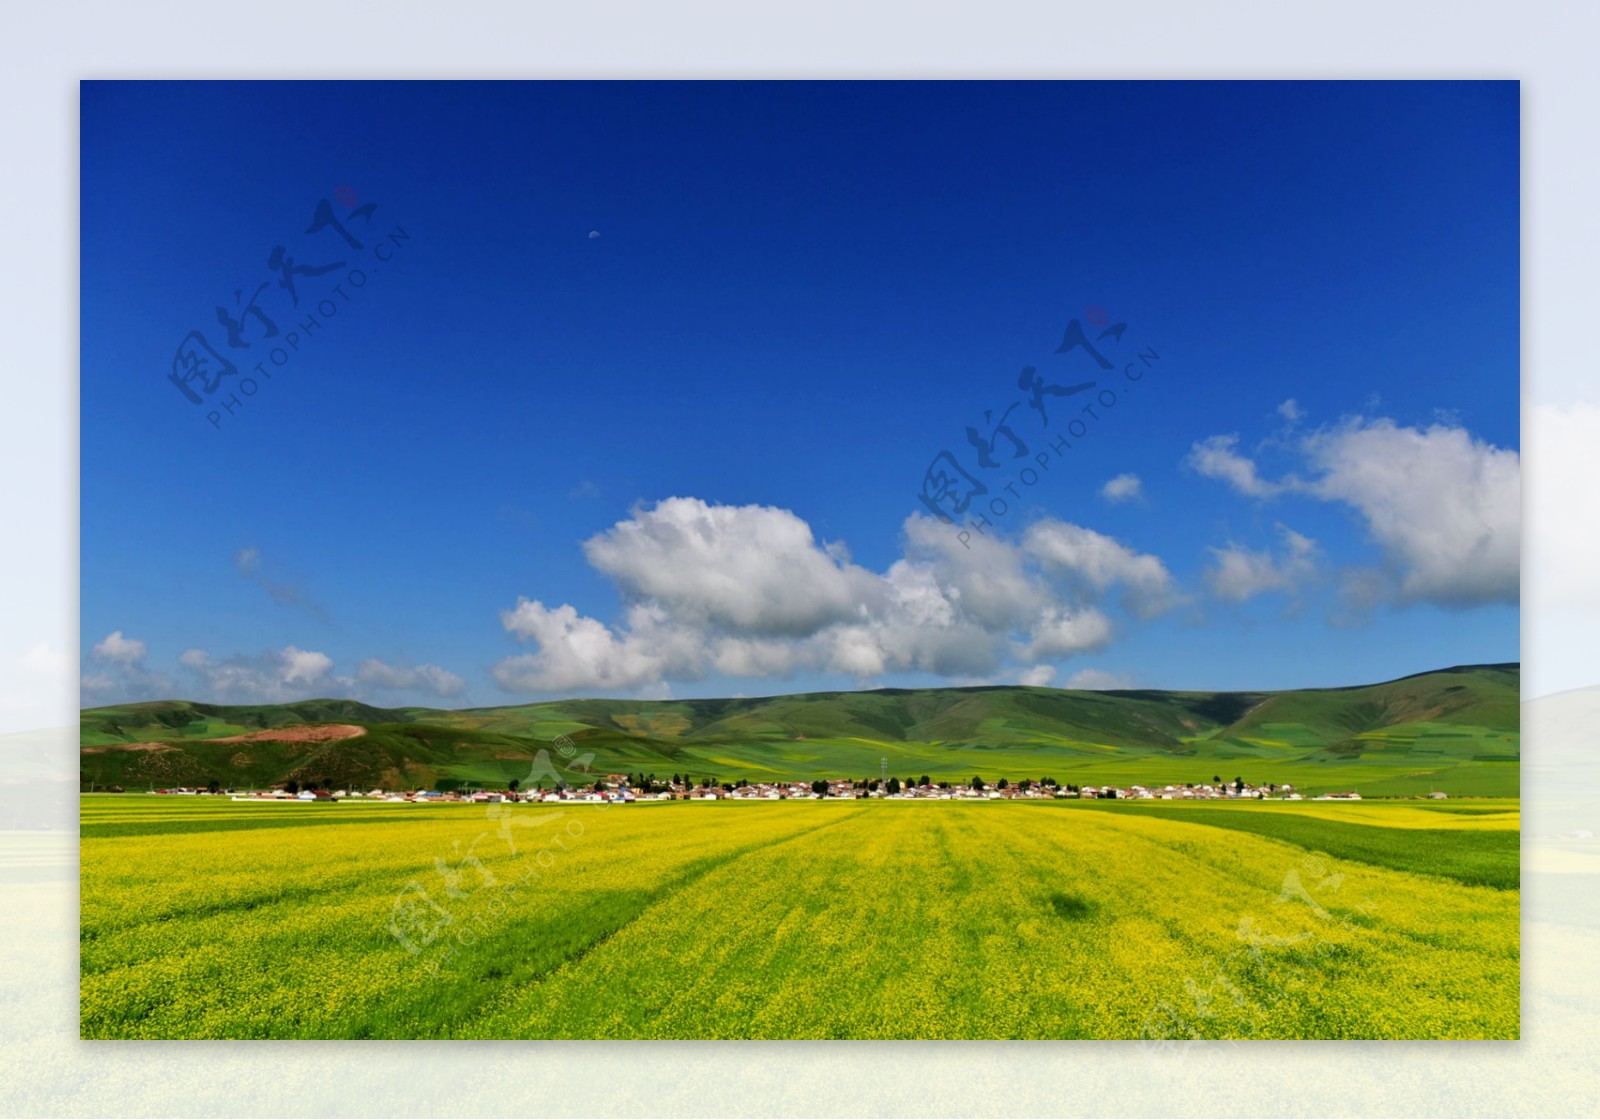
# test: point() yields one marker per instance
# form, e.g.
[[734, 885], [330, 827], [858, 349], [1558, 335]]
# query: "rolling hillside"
[[1454, 729]]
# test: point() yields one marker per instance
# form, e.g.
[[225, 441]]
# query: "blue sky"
[[640, 383]]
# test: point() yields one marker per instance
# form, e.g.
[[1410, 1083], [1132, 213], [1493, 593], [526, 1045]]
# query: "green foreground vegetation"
[[1455, 731], [210, 918]]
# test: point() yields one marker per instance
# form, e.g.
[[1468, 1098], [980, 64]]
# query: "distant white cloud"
[[749, 591], [120, 650], [1038, 677], [1238, 573], [115, 671], [431, 680], [1218, 457], [1123, 488], [1291, 411], [1443, 506], [1098, 680], [271, 678]]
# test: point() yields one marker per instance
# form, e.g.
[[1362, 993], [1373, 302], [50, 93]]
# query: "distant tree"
[[675, 780], [819, 787], [514, 784], [214, 787], [1003, 783], [944, 785], [705, 783], [894, 785], [922, 781], [1238, 784], [1025, 784], [291, 786], [977, 782]]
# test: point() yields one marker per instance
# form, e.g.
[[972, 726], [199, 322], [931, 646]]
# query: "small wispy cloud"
[[1238, 573], [1123, 488], [248, 563]]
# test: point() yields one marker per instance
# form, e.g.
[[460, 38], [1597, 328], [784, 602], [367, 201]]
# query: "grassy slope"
[[1456, 730]]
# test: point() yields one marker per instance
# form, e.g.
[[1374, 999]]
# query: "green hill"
[[1455, 729]]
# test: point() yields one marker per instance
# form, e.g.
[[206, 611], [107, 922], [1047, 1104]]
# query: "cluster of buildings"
[[622, 788]]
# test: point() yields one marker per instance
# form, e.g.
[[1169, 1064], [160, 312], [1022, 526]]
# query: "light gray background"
[[45, 1070]]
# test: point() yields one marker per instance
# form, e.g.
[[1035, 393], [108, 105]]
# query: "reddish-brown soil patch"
[[326, 733], [128, 747]]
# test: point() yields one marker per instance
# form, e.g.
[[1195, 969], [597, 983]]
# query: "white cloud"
[[1238, 573], [1038, 677], [750, 569], [1123, 488], [1443, 506], [1062, 633], [1098, 563], [577, 652], [748, 591], [120, 650], [1217, 457], [304, 666], [271, 678], [1098, 680], [118, 672], [430, 679], [1291, 411]]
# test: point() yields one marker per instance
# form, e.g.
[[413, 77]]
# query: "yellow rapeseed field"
[[854, 919]]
